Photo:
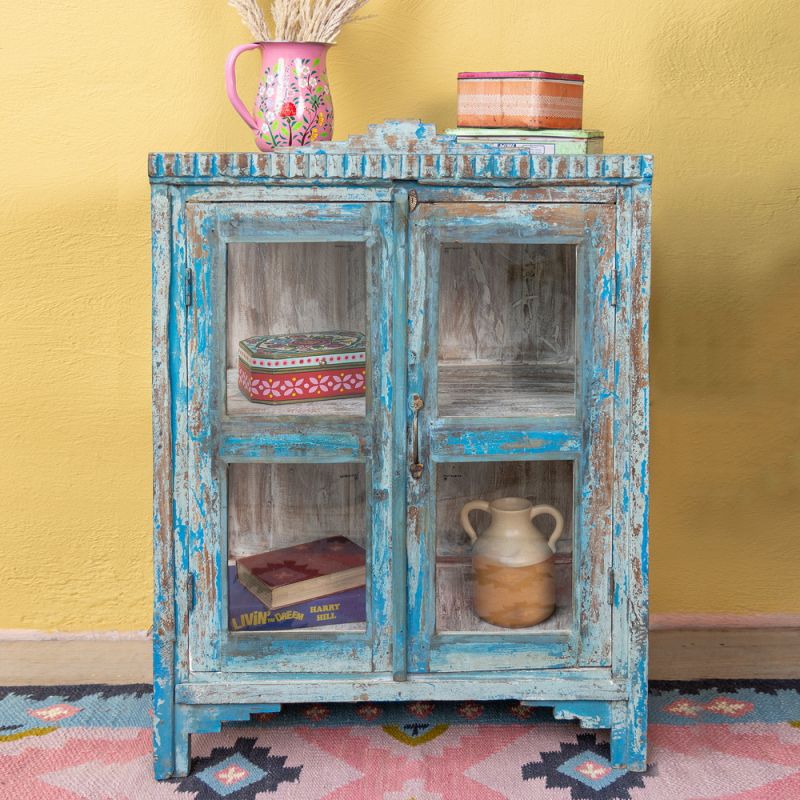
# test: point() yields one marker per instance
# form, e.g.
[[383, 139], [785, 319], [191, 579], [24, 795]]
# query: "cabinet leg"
[[163, 748], [628, 736], [182, 741], [205, 718], [183, 750]]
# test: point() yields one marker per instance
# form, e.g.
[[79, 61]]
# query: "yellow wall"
[[89, 88]]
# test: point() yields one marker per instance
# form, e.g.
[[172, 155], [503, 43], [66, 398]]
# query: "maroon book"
[[303, 571]]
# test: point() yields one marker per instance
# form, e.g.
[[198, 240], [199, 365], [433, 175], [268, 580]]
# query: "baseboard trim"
[[33, 635], [728, 653], [761, 653], [721, 621], [30, 662]]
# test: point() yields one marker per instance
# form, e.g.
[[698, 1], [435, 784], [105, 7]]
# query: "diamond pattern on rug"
[[240, 775], [320, 773], [591, 769], [231, 774], [703, 704], [54, 713], [584, 768]]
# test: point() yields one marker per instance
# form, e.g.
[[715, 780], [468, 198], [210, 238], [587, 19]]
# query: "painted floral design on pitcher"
[[293, 105]]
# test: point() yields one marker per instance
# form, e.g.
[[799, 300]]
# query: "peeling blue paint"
[[505, 443]]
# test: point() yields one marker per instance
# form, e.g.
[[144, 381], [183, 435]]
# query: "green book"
[[540, 142]]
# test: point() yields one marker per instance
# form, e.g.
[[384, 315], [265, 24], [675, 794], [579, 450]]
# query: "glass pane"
[[296, 547], [507, 330], [296, 288], [509, 579]]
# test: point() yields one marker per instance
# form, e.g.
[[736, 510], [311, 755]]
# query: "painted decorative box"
[[520, 100], [297, 367]]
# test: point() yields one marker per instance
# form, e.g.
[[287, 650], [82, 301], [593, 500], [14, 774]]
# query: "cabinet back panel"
[[279, 505], [292, 287], [507, 303]]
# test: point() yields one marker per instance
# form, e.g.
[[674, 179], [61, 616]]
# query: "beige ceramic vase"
[[514, 585]]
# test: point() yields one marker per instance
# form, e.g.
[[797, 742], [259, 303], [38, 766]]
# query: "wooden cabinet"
[[504, 300]]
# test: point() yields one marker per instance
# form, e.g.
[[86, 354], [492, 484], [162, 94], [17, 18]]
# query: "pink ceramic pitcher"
[[293, 105]]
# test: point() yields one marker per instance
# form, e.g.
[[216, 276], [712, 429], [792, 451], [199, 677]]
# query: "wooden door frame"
[[587, 439]]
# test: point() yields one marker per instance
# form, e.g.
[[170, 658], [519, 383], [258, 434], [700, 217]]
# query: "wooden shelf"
[[454, 602], [357, 627], [506, 390], [464, 391]]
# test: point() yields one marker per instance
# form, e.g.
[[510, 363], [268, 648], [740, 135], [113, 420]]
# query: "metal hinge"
[[413, 200], [611, 587], [189, 282], [190, 584]]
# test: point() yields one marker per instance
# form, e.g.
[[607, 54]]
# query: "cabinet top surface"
[[399, 150]]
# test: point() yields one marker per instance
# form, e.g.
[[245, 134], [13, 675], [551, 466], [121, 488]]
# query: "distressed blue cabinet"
[[504, 300]]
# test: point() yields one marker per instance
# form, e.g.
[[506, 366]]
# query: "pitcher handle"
[[557, 516], [230, 84], [473, 505]]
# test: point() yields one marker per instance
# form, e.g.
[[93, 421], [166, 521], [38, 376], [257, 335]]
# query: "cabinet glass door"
[[289, 368], [510, 380]]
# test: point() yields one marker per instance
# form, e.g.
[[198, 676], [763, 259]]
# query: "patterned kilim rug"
[[707, 740]]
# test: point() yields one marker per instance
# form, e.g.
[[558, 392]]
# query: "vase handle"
[[557, 516], [474, 505], [230, 84]]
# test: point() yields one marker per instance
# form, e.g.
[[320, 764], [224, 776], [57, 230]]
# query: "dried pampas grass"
[[253, 18], [298, 20]]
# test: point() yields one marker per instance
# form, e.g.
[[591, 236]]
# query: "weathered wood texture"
[[587, 233], [510, 390], [401, 150], [525, 276], [217, 439], [596, 389], [690, 655], [506, 303], [164, 573], [553, 683], [506, 329], [631, 479], [279, 505], [589, 713]]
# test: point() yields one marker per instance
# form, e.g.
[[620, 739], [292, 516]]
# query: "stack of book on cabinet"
[[542, 142], [307, 585]]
